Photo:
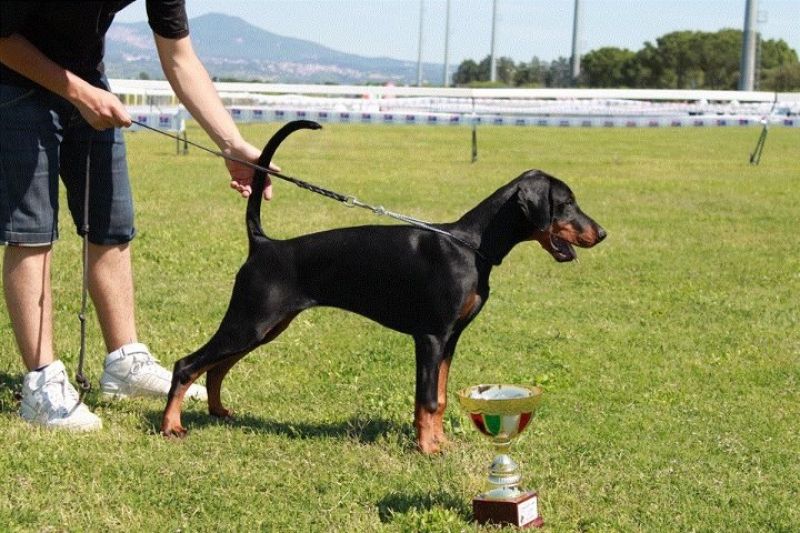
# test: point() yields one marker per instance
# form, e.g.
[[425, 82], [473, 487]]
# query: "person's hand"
[[101, 109], [242, 175]]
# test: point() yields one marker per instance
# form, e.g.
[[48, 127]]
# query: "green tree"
[[677, 60], [558, 73], [466, 73], [719, 55], [531, 74], [783, 78], [606, 67], [680, 53], [469, 72], [776, 53], [506, 70]]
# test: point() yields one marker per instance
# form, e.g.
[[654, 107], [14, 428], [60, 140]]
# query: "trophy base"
[[522, 511]]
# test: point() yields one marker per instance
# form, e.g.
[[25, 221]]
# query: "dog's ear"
[[533, 198]]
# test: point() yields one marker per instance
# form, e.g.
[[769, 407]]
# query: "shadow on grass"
[[363, 429], [10, 391], [396, 504]]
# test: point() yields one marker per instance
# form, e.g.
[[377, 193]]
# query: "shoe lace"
[[145, 363], [59, 395]]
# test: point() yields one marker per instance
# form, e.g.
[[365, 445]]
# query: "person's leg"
[[26, 285], [129, 369], [30, 136], [29, 145], [111, 225], [111, 289]]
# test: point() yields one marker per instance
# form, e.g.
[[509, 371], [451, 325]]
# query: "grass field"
[[669, 355]]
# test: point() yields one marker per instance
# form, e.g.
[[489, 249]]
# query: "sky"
[[525, 28]]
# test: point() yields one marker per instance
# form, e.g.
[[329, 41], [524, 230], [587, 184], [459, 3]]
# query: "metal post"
[[748, 62], [419, 56], [575, 62], [446, 73], [474, 132], [493, 59]]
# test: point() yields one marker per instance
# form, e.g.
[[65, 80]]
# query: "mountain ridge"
[[232, 48]]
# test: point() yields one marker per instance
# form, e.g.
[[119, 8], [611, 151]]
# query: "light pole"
[[575, 63], [492, 58], [748, 64], [445, 74], [419, 56]]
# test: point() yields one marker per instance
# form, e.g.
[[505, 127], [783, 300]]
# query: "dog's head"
[[555, 219]]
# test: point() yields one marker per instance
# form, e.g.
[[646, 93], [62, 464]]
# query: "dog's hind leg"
[[217, 373], [234, 339], [186, 371], [214, 377]]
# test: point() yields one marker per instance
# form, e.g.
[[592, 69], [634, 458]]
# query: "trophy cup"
[[501, 412]]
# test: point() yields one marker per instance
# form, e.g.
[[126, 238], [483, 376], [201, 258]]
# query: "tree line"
[[677, 60]]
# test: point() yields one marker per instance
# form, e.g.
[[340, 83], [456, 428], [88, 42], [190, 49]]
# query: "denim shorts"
[[43, 136]]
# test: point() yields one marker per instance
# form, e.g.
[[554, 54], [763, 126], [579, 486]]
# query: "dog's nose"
[[601, 234]]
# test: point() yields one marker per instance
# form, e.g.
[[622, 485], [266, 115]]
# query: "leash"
[[83, 382], [347, 200]]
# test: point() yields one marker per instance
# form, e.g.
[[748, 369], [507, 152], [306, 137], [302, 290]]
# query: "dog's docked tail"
[[253, 216]]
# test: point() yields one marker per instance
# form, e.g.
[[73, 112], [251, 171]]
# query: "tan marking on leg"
[[214, 378], [171, 421], [423, 423], [441, 391]]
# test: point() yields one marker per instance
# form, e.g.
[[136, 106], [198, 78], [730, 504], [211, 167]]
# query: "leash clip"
[[83, 382], [350, 201]]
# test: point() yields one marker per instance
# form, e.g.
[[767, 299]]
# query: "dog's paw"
[[428, 446], [221, 413], [177, 432], [443, 441]]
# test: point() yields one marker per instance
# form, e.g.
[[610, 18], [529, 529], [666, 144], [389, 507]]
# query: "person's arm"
[[191, 82], [100, 108]]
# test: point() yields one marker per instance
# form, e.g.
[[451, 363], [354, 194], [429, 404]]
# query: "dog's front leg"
[[430, 350], [441, 389], [441, 393]]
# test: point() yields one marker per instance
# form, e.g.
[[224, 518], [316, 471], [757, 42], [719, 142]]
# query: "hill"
[[232, 48]]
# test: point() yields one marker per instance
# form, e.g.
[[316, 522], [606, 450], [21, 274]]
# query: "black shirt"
[[73, 33]]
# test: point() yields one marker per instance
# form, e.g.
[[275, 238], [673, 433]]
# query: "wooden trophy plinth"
[[522, 511]]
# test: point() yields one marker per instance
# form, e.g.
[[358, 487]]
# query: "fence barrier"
[[584, 108]]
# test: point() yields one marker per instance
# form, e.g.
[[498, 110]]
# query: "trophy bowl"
[[502, 412]]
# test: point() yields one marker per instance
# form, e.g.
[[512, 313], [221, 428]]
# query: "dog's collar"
[[481, 255], [475, 249]]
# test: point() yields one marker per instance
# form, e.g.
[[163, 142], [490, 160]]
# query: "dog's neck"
[[495, 225]]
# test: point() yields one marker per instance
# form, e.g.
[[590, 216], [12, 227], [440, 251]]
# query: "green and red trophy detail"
[[502, 412]]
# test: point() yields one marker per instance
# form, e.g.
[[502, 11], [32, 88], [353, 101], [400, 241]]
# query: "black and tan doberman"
[[425, 284]]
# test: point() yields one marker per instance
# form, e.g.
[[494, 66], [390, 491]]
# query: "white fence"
[[257, 102]]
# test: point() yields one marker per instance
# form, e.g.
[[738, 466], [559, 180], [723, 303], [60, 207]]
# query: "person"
[[55, 108]]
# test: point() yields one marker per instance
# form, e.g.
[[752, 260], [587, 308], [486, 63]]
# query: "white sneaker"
[[131, 371], [50, 400]]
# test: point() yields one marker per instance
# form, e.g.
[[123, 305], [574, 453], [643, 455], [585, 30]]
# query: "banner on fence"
[[245, 114]]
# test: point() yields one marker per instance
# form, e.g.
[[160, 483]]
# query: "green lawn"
[[669, 355]]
